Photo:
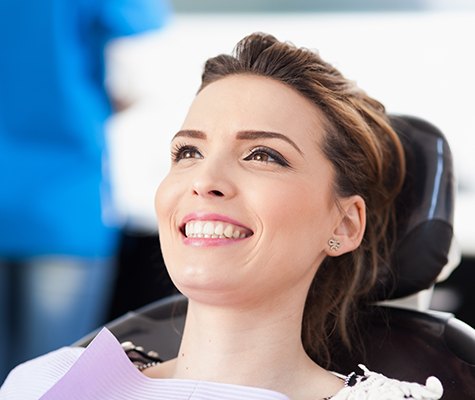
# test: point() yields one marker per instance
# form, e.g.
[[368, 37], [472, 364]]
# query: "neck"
[[254, 346]]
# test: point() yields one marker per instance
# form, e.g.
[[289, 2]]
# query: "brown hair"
[[368, 160]]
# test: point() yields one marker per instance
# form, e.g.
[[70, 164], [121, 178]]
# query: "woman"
[[275, 220]]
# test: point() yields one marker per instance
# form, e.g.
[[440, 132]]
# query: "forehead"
[[253, 102]]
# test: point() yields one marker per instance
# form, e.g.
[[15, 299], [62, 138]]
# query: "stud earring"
[[334, 244]]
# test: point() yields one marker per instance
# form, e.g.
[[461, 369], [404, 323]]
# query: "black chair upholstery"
[[425, 210], [400, 343]]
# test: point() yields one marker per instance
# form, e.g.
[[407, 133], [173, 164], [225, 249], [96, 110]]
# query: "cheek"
[[166, 201], [298, 218], [164, 197]]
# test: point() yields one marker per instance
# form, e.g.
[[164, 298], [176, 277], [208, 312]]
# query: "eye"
[[185, 152], [267, 155]]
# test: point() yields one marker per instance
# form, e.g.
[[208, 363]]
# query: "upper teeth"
[[214, 229]]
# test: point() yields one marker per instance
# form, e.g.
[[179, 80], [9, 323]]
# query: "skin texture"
[[247, 294]]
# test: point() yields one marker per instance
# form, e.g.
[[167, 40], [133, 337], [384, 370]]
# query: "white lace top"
[[81, 374], [372, 385]]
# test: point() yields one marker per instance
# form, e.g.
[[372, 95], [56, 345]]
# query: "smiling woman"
[[319, 159], [276, 220], [292, 171]]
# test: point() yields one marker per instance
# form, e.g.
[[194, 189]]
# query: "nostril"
[[216, 193]]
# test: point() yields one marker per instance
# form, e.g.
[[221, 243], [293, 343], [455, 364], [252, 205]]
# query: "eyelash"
[[179, 151], [275, 155]]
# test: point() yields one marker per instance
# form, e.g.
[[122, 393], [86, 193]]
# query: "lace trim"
[[379, 386], [141, 359]]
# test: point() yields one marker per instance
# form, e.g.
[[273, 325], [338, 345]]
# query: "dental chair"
[[403, 339]]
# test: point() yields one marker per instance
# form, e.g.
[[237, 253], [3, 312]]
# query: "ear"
[[351, 226]]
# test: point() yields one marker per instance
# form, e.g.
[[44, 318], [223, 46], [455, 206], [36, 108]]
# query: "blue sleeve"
[[129, 17]]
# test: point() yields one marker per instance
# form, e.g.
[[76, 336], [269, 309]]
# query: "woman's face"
[[247, 208]]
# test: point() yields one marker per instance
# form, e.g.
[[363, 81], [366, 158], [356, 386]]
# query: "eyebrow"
[[191, 133], [241, 135], [252, 135]]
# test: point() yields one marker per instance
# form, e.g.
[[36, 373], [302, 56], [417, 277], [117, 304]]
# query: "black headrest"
[[424, 210]]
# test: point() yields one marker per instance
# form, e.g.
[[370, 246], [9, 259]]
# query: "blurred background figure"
[[58, 228]]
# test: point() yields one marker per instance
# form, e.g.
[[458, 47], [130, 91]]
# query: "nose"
[[213, 182]]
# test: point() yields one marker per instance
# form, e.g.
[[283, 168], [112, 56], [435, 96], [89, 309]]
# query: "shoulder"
[[374, 385], [30, 380]]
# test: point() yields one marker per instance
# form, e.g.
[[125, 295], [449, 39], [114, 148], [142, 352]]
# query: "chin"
[[208, 288], [199, 278]]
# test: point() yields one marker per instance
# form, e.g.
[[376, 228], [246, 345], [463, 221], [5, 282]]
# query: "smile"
[[215, 230]]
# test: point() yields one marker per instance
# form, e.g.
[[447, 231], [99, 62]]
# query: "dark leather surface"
[[425, 210]]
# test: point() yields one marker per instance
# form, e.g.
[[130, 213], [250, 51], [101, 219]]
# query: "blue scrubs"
[[54, 189]]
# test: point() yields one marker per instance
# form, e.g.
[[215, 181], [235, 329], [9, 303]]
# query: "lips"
[[213, 227]]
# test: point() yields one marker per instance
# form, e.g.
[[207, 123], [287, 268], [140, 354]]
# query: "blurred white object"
[[419, 301]]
